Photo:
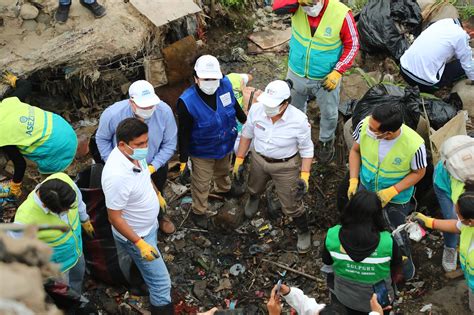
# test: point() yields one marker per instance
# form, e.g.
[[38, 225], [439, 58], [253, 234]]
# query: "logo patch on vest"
[[328, 32], [397, 161]]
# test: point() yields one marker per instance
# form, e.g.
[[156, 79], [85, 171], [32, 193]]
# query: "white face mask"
[[271, 111], [375, 136], [313, 10], [209, 87], [145, 113]]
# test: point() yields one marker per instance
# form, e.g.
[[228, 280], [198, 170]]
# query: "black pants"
[[19, 163], [453, 72]]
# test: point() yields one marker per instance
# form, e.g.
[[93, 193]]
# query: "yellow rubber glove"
[[353, 184], [9, 78], [331, 81], [162, 201], [151, 168], [10, 189], [387, 194], [236, 173], [305, 177], [305, 2], [88, 228], [147, 251], [15, 189], [423, 220], [182, 167]]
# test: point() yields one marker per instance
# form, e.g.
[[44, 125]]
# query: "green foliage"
[[465, 10], [357, 5], [239, 4]]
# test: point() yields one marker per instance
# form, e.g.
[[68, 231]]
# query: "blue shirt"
[[162, 132], [442, 179]]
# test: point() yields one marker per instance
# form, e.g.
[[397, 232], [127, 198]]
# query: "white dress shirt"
[[284, 138], [437, 45]]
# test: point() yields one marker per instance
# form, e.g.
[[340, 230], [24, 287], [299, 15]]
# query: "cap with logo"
[[143, 94], [207, 67], [275, 93]]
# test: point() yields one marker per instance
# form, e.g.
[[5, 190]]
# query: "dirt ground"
[[200, 262]]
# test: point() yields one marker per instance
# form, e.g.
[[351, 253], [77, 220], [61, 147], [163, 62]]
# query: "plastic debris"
[[426, 308], [429, 252], [236, 270]]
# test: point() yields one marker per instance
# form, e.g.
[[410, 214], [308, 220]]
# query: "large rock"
[[29, 12], [46, 6], [353, 86], [466, 93], [9, 8]]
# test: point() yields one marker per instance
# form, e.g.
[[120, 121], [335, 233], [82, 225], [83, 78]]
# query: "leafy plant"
[[233, 3]]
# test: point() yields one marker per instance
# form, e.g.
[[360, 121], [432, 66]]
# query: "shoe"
[[200, 220], [62, 13], [450, 257], [167, 309], [251, 207], [231, 193], [326, 151], [303, 245], [166, 225], [95, 8]]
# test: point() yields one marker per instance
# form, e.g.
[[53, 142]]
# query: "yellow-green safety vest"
[[315, 56], [466, 254], [67, 246]]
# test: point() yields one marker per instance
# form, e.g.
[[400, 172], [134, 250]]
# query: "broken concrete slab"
[[270, 39], [160, 12]]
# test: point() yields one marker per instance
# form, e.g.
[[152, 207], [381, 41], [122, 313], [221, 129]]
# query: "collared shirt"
[[437, 45], [162, 132], [284, 138], [128, 188]]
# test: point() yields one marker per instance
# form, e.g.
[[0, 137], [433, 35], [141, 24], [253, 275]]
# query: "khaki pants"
[[285, 176], [205, 170]]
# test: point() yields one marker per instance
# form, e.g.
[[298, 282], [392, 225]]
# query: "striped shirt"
[[418, 161]]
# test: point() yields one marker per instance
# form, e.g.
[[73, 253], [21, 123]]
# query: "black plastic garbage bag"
[[439, 112], [384, 93], [378, 31]]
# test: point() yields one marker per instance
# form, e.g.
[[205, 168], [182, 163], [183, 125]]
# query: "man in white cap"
[[207, 113], [145, 105], [283, 152]]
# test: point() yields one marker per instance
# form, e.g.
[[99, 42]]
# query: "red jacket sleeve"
[[350, 42], [285, 6]]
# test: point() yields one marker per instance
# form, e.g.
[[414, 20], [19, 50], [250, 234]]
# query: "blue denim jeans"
[[68, 2], [447, 209], [153, 272], [75, 275], [328, 102]]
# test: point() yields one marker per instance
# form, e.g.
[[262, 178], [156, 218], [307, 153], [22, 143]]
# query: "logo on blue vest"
[[397, 161], [328, 32]]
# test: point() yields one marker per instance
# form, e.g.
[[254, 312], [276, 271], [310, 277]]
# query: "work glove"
[[151, 168], [387, 194], [88, 228], [238, 171], [10, 189], [302, 185], [162, 201], [353, 184], [147, 251], [9, 78], [184, 173], [332, 80], [423, 220]]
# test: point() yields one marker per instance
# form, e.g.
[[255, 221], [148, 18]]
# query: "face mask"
[[145, 113], [375, 136], [271, 111], [209, 87], [138, 153], [313, 10]]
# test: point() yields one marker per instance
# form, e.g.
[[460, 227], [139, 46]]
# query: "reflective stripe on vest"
[[466, 254], [23, 125], [214, 132], [316, 56], [396, 165], [371, 270], [67, 246]]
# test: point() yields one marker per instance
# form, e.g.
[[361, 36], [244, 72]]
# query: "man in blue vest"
[[207, 132], [323, 45]]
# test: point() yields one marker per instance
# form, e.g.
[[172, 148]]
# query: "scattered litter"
[[236, 270], [426, 308], [257, 222], [224, 284], [186, 201], [256, 249], [429, 252], [259, 294]]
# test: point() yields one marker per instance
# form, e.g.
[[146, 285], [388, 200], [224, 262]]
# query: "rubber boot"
[[200, 220], [96, 9], [167, 309], [251, 207], [62, 13], [304, 235]]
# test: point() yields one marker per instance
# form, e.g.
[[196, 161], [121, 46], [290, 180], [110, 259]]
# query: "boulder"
[[28, 11], [466, 93], [46, 6]]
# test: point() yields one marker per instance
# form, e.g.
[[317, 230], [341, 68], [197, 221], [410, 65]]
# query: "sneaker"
[[450, 257], [62, 13], [95, 8], [326, 151], [251, 207], [304, 242], [200, 220]]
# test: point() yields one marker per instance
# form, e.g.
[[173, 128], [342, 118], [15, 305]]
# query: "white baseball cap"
[[207, 67], [143, 94], [275, 93]]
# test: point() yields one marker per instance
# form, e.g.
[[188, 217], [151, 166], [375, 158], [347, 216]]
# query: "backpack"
[[457, 155]]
